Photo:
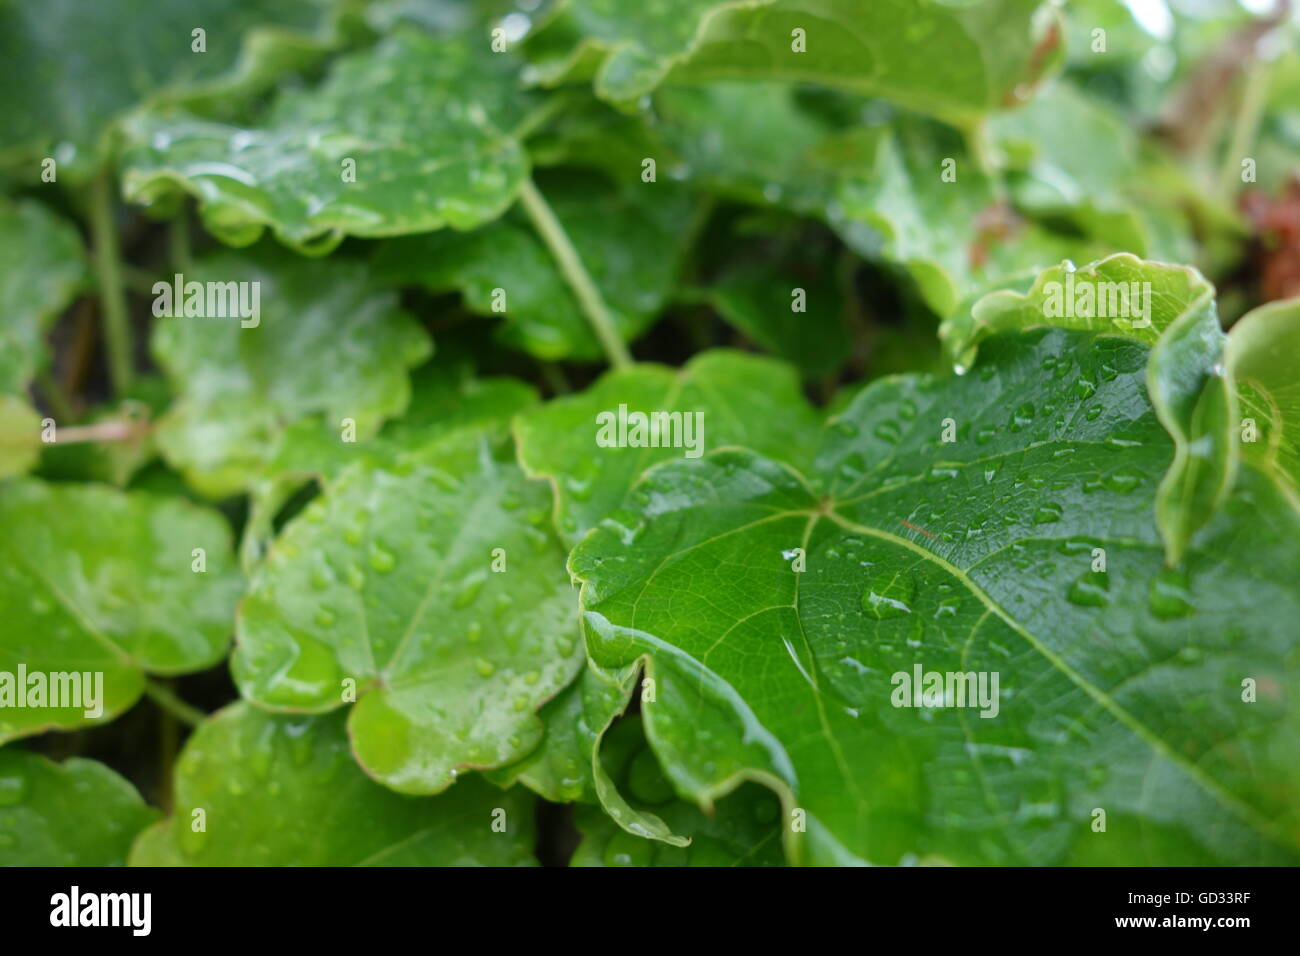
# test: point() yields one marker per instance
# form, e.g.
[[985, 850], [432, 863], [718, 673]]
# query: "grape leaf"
[[324, 342], [411, 136], [978, 54], [743, 399], [78, 813], [631, 239], [284, 791], [790, 301], [97, 582], [1170, 308], [445, 396], [1121, 685], [76, 68], [1262, 354], [560, 769], [385, 587], [742, 830]]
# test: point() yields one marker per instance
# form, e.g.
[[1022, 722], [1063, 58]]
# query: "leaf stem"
[[575, 273], [166, 698], [101, 431], [108, 274], [1249, 112], [55, 398]]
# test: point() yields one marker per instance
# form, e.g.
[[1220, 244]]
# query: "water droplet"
[[484, 667], [1047, 512], [1170, 595], [889, 595], [1090, 589]]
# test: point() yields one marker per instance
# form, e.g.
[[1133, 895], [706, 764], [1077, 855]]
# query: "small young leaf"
[[103, 586], [324, 343], [430, 591]]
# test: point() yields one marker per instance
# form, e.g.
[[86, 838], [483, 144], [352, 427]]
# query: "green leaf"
[[425, 121], [324, 343], [920, 175], [744, 400], [383, 592], [1120, 689], [978, 55], [743, 829], [76, 68], [790, 301], [1263, 356], [97, 582], [42, 268], [20, 436], [284, 791], [78, 813], [631, 238], [1170, 308], [445, 396], [560, 769]]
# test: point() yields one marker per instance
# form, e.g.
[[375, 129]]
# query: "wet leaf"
[[384, 592], [102, 585], [322, 342], [1117, 687], [284, 791], [78, 813]]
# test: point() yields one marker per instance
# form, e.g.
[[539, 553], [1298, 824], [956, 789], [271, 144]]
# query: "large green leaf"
[[1123, 686], [78, 813], [425, 121], [284, 791], [1263, 355], [97, 582], [1170, 308], [324, 343], [743, 400], [385, 588], [73, 68], [978, 56], [42, 267], [631, 239]]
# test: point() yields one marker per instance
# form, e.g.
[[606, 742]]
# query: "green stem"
[[108, 274], [166, 698], [54, 396], [554, 378], [575, 273], [178, 242], [1249, 112]]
